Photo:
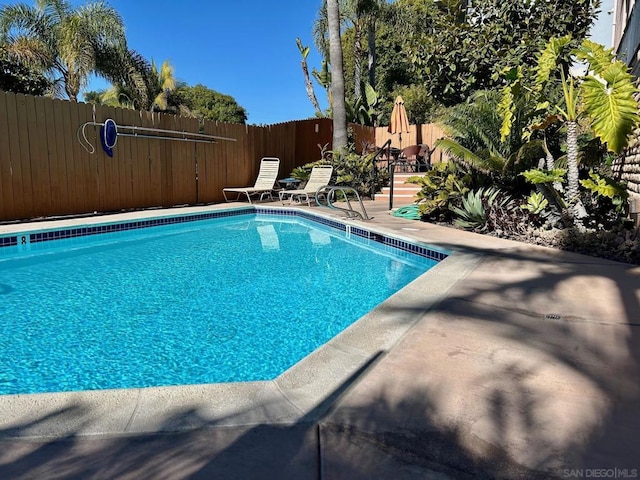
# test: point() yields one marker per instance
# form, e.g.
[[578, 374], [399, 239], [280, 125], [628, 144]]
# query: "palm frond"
[[462, 155]]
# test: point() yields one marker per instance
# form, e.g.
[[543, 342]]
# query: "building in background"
[[626, 40], [626, 33]]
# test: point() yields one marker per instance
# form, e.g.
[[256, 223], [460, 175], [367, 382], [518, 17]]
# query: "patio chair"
[[320, 177], [409, 158], [424, 157], [264, 185]]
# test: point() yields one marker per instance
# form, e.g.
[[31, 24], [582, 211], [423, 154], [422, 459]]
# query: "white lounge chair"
[[265, 182], [320, 177]]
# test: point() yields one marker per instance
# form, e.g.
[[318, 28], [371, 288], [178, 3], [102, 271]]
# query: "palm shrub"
[[474, 141]]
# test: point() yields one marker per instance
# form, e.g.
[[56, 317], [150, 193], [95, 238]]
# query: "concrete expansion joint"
[[132, 418], [286, 397]]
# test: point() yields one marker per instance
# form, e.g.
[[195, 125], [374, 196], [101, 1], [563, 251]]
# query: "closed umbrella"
[[399, 122]]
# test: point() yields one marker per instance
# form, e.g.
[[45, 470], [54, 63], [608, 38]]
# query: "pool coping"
[[302, 394]]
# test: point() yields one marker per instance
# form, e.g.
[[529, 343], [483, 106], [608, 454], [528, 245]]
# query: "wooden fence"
[[44, 170], [418, 134]]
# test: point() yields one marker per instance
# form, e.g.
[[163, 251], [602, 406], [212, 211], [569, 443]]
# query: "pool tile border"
[[86, 230], [301, 394]]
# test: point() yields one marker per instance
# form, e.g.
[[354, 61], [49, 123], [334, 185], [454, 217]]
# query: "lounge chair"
[[320, 177], [265, 182]]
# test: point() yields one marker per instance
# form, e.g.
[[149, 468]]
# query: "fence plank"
[[39, 160], [121, 158], [55, 161], [24, 156], [59, 159], [8, 204]]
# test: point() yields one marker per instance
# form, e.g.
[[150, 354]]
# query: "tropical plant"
[[16, 78], [358, 17], [349, 170], [536, 203], [358, 172], [606, 187], [140, 85], [604, 97], [162, 83], [442, 188], [473, 140], [61, 41], [304, 51], [363, 110]]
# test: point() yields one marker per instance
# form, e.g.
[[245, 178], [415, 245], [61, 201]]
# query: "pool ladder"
[[328, 194]]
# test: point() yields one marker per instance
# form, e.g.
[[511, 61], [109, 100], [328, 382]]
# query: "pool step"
[[403, 193]]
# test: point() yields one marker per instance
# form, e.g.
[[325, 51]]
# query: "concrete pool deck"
[[510, 361]]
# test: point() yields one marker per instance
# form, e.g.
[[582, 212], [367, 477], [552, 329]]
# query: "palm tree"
[[138, 84], [59, 40], [361, 16], [128, 72], [337, 77], [162, 84]]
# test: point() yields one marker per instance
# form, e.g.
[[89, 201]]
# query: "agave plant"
[[473, 214]]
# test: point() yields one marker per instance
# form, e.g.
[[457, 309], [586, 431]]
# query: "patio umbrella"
[[399, 122]]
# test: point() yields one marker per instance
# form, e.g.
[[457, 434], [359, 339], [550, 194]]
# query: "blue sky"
[[243, 48]]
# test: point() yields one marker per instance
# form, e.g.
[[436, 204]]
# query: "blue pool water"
[[232, 299]]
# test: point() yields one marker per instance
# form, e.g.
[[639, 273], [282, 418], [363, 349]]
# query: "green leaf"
[[370, 95], [506, 109], [548, 60], [538, 176], [612, 108], [597, 56], [607, 187]]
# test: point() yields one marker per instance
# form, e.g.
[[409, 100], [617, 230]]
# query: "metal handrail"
[[387, 147], [329, 192]]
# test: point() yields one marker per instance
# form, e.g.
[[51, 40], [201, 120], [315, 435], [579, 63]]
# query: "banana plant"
[[363, 109], [598, 91]]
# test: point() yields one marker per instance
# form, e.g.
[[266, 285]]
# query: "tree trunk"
[[571, 196], [371, 45], [337, 77], [357, 62], [309, 86]]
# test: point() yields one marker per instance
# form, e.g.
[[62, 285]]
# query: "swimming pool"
[[186, 320]]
